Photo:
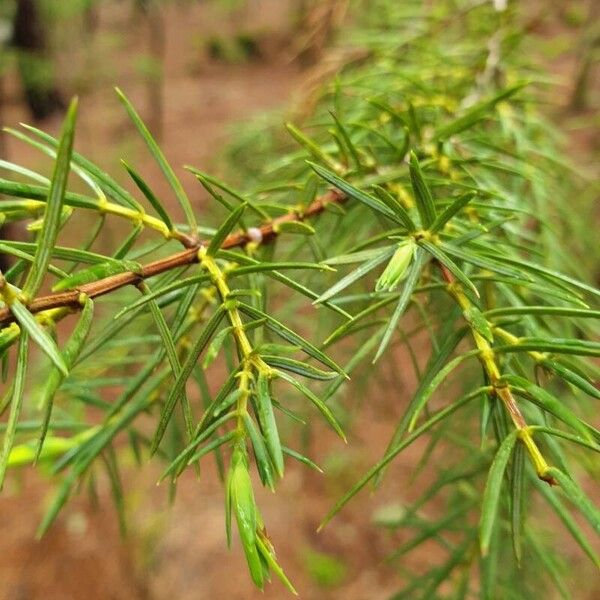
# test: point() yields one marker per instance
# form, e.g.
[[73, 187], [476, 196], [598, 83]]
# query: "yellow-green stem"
[[513, 339], [501, 389], [241, 339], [141, 217]]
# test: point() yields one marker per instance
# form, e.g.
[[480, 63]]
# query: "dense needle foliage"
[[426, 196]]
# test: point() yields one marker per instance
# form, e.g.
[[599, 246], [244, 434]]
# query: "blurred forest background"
[[205, 74]]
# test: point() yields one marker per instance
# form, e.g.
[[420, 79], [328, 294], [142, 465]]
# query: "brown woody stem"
[[268, 231]]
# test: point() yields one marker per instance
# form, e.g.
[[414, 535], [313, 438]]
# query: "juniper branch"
[[265, 233]]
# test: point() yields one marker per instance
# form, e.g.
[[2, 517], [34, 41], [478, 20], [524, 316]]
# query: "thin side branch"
[[268, 231], [501, 390]]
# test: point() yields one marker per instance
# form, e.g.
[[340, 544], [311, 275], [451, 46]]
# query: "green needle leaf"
[[294, 227], [39, 335], [348, 142], [583, 383], [186, 369], [268, 425], [570, 523], [263, 462], [577, 496], [225, 229], [268, 556], [342, 185], [298, 367], [287, 334], [162, 163], [95, 273], [517, 505], [87, 168], [560, 311], [53, 209], [449, 212], [423, 197], [394, 205], [171, 352], [557, 345], [356, 274], [150, 196], [425, 392], [313, 148], [493, 487], [16, 403], [476, 113], [70, 353], [585, 443], [301, 458], [440, 255], [321, 406]]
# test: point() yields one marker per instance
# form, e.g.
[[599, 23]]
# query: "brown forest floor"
[[179, 552]]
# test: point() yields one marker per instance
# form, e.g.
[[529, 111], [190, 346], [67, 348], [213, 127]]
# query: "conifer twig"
[[265, 233]]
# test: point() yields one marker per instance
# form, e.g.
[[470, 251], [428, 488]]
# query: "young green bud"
[[241, 500], [397, 268]]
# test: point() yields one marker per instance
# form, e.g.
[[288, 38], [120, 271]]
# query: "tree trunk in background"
[[152, 65], [91, 17], [5, 230], [317, 22], [4, 263], [587, 58], [2, 134], [35, 70]]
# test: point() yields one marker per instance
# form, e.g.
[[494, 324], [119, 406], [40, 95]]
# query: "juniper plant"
[[425, 199]]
